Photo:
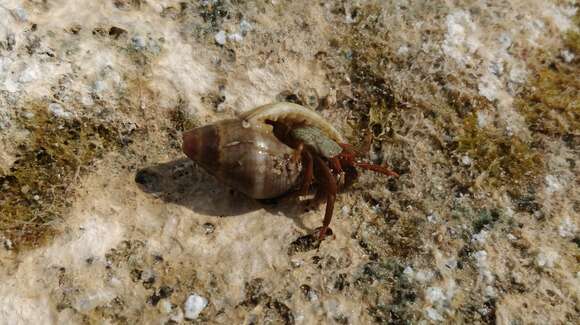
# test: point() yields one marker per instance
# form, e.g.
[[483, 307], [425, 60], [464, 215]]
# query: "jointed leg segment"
[[308, 172], [329, 188], [326, 173]]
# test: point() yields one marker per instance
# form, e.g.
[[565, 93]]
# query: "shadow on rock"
[[183, 182]]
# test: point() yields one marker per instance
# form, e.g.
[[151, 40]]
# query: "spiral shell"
[[246, 158]]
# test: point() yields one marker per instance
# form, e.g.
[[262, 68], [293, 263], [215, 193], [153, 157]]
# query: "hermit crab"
[[277, 149]]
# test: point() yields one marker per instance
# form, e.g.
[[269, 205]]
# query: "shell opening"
[[291, 115]]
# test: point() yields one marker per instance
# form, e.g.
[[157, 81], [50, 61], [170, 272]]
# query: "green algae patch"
[[36, 191], [572, 38], [506, 159], [551, 102], [551, 105]]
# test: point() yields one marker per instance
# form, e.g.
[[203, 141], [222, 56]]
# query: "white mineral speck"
[[87, 101], [567, 228], [432, 218], [483, 119], [58, 111], [423, 276], [138, 43], [433, 314], [312, 296], [505, 40], [567, 56], [245, 26], [220, 37], [345, 210], [408, 272], [552, 184], [480, 237], [236, 37], [92, 301], [8, 245], [21, 14], [348, 18], [148, 275], [29, 74], [518, 74], [11, 86], [496, 67], [164, 306], [482, 265], [403, 50], [296, 263], [511, 237], [560, 16], [465, 160], [194, 306], [490, 292], [489, 87], [546, 258], [99, 86], [461, 38], [4, 120], [115, 282], [435, 295], [509, 212], [484, 310], [333, 308], [177, 315], [480, 257], [452, 264]]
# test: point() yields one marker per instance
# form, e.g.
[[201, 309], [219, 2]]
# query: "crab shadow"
[[184, 183]]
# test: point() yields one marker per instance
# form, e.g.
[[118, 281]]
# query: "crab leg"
[[350, 175], [308, 172], [348, 157], [335, 165], [377, 168], [329, 187]]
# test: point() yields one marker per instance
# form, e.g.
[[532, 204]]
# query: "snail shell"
[[245, 157]]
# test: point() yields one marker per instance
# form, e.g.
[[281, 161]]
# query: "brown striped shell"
[[245, 154], [246, 158]]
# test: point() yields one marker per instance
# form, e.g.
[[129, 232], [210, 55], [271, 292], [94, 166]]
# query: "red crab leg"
[[377, 168], [308, 172], [350, 173], [335, 165], [328, 185], [349, 154]]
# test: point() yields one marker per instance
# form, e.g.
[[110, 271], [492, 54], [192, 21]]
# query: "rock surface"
[[474, 104]]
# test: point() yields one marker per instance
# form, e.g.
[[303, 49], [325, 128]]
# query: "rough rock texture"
[[475, 104]]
